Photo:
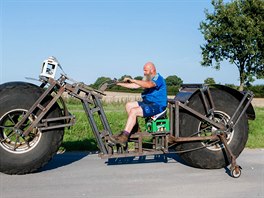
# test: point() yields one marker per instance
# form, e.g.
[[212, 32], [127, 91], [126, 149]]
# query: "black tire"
[[17, 157], [214, 156]]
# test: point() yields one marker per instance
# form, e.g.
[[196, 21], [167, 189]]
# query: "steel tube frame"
[[90, 97]]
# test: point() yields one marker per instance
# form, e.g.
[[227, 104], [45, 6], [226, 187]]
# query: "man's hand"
[[128, 83], [128, 80]]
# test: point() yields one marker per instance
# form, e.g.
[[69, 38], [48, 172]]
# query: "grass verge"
[[256, 130]]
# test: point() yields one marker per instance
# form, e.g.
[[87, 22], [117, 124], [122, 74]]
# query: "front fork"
[[235, 170]]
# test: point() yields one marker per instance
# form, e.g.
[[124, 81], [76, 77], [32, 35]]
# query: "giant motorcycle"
[[206, 125]]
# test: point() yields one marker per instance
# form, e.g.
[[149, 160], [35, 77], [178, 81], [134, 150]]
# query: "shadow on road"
[[64, 159], [171, 157], [145, 159]]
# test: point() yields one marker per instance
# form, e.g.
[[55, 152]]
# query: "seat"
[[162, 115]]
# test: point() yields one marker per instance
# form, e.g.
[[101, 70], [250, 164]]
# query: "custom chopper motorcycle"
[[206, 125]]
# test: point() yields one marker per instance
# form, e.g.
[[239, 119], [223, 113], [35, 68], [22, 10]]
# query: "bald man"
[[154, 100]]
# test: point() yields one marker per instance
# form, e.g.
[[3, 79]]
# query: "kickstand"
[[235, 170]]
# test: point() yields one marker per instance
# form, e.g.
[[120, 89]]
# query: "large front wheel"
[[20, 155]]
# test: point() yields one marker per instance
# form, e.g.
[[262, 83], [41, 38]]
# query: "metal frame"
[[91, 101]]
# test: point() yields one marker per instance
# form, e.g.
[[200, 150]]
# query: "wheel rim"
[[205, 129], [236, 172], [10, 140]]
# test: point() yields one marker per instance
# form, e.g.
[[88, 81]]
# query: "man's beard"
[[147, 77]]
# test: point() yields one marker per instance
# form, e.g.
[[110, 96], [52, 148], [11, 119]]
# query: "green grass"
[[256, 130], [80, 136]]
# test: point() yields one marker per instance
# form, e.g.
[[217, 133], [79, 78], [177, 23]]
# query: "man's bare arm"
[[143, 83], [129, 85], [135, 84]]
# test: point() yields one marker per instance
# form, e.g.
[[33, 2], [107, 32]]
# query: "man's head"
[[149, 71]]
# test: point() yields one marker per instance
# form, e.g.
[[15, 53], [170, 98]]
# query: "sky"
[[110, 38]]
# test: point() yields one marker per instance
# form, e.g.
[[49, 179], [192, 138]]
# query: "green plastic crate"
[[157, 125]]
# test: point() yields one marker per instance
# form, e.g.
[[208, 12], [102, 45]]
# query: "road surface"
[[82, 174]]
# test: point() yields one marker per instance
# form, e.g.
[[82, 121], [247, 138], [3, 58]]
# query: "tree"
[[138, 78], [100, 81], [124, 76], [235, 32], [173, 81], [209, 81]]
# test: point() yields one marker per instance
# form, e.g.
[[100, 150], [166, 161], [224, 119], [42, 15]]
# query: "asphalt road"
[[71, 175]]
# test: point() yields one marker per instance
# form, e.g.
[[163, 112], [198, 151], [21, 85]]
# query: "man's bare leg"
[[132, 118], [129, 106], [133, 112]]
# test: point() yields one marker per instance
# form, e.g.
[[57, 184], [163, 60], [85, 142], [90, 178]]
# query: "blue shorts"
[[150, 109]]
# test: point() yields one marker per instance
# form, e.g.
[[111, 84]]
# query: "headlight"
[[49, 67]]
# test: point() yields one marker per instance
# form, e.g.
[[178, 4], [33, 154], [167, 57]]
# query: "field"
[[124, 97], [80, 136]]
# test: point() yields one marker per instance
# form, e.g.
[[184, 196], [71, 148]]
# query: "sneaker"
[[120, 138]]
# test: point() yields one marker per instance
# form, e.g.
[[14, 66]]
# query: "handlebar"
[[110, 83]]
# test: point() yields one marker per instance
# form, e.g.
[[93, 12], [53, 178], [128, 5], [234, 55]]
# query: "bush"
[[172, 90], [258, 90]]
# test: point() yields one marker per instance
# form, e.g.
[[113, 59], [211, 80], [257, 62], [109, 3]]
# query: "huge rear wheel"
[[212, 155], [24, 155]]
